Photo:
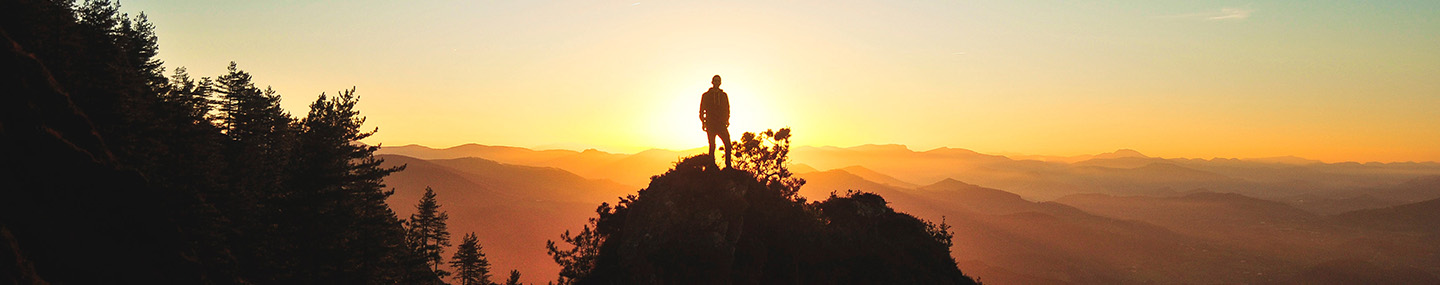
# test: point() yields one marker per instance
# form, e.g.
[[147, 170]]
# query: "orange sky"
[[1335, 82]]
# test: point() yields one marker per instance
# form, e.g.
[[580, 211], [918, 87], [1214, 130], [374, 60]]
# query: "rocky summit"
[[700, 224]]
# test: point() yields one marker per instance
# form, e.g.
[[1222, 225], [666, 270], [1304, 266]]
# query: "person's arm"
[[725, 100], [703, 126]]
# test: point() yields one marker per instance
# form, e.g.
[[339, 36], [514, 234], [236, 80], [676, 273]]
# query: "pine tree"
[[582, 252], [251, 115], [189, 97], [258, 139], [514, 278], [192, 166], [427, 233], [471, 266], [101, 82], [260, 132], [344, 231], [579, 259], [138, 40]]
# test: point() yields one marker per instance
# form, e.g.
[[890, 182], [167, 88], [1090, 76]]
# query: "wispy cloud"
[[1232, 14], [1225, 14]]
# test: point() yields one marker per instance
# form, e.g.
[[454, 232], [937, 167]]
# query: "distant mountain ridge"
[[1238, 239], [629, 169], [1123, 172], [1017, 241], [1008, 237], [1416, 217]]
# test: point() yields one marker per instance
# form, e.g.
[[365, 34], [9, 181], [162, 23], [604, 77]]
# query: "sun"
[[672, 120]]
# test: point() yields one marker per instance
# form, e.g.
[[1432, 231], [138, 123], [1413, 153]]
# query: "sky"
[[1328, 80]]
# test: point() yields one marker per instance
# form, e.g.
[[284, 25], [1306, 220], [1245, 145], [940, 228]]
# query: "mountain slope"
[[876, 176], [1124, 172], [1022, 240], [628, 169], [512, 209], [458, 189], [539, 183], [1414, 217], [70, 213], [1291, 236], [976, 198]]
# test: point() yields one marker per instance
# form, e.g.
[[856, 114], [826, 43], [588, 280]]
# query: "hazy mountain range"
[[1305, 183], [1119, 217]]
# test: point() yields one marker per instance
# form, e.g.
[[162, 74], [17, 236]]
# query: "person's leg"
[[725, 137], [710, 137]]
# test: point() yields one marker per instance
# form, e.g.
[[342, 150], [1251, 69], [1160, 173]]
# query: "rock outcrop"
[[700, 225]]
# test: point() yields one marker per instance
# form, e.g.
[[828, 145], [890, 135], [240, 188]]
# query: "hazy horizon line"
[[1006, 154]]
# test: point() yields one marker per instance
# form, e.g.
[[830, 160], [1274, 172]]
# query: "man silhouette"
[[715, 117]]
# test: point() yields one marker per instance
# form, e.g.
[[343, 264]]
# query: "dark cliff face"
[[71, 213], [696, 224]]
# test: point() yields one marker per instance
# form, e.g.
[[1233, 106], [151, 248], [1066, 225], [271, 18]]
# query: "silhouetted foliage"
[[251, 194], [765, 154], [579, 257], [426, 233], [514, 278], [941, 232], [471, 266]]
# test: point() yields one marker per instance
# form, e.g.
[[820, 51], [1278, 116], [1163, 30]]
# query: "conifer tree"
[[252, 116], [427, 233], [193, 166], [259, 132], [189, 97], [345, 231], [581, 254], [140, 45], [514, 278], [471, 266], [258, 138], [99, 80]]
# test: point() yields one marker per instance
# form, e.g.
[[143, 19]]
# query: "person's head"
[[715, 81]]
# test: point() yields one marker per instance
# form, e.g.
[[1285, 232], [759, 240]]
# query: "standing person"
[[715, 117]]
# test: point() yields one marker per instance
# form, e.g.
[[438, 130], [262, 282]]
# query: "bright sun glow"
[[673, 121]]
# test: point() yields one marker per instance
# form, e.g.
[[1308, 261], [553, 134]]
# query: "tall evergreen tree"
[[192, 165], [257, 146], [514, 278], [189, 97], [471, 266], [137, 39], [260, 132], [427, 233], [349, 234], [252, 116]]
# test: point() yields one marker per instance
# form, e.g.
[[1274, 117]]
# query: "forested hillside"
[[121, 170]]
